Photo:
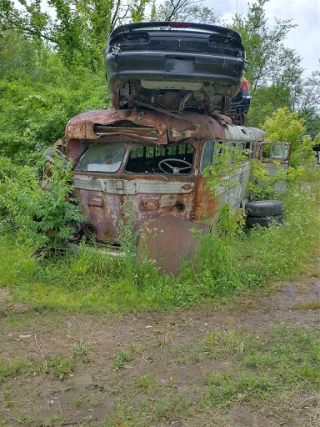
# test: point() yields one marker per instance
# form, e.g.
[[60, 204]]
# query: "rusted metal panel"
[[169, 242], [133, 186], [233, 186], [82, 126], [205, 204], [104, 216], [75, 148], [181, 198], [242, 133], [104, 210], [146, 205], [173, 129]]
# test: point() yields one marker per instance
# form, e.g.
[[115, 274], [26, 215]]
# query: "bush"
[[42, 216], [227, 264], [285, 126]]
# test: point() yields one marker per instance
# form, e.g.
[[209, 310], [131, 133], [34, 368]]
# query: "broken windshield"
[[101, 157]]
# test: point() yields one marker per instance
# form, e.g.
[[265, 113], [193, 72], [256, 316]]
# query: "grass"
[[226, 266], [286, 358], [61, 366], [188, 382], [78, 401], [81, 351], [274, 367], [14, 368], [314, 305], [144, 382], [121, 360], [310, 174]]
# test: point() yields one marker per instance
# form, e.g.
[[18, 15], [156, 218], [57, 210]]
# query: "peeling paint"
[[178, 192]]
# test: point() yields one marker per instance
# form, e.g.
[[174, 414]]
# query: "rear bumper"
[[176, 67]]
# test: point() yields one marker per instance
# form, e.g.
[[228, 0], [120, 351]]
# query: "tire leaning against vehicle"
[[264, 208], [264, 221]]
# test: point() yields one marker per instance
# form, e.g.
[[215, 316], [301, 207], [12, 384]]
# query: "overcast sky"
[[305, 38]]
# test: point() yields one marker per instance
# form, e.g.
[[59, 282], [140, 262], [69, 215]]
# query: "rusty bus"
[[156, 160]]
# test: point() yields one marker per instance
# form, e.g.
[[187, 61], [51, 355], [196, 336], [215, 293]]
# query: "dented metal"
[[153, 194], [157, 171]]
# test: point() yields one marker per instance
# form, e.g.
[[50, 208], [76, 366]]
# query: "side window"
[[241, 146], [219, 150], [207, 155], [253, 149], [214, 149], [275, 151], [235, 152]]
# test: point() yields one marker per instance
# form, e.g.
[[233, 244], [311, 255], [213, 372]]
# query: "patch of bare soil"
[[146, 370]]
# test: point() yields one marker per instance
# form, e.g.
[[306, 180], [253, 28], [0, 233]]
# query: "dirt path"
[[154, 369]]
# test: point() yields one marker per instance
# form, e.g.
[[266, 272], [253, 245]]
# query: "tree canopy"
[[52, 64]]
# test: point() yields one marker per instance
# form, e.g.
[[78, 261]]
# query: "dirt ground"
[[143, 370]]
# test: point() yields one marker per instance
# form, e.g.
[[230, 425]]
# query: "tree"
[[269, 60], [274, 71], [308, 103], [39, 94], [183, 11], [286, 126], [78, 30]]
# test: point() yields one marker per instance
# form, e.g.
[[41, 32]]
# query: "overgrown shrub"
[[42, 216], [227, 264], [266, 186], [38, 95], [285, 126]]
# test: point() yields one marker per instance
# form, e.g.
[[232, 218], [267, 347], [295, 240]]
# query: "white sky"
[[305, 38]]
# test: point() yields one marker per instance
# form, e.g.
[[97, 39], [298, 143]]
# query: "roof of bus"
[[156, 127]]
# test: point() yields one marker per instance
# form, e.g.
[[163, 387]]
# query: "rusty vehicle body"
[[155, 161]]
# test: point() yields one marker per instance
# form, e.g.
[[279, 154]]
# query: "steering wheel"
[[174, 169]]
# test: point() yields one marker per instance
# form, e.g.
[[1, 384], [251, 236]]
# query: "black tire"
[[264, 208], [264, 221]]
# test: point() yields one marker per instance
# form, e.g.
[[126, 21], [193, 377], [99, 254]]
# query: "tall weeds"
[[226, 265]]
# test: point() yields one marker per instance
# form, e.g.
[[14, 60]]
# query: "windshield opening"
[[176, 159], [101, 157]]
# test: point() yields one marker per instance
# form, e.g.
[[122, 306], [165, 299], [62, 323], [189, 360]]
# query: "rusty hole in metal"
[[89, 229], [124, 126], [180, 206]]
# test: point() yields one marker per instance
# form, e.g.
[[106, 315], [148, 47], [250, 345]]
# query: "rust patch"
[[205, 204], [153, 197], [169, 129], [169, 241], [95, 201], [149, 204]]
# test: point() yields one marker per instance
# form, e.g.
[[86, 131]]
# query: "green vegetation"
[[52, 65], [273, 366], [265, 364], [145, 382], [43, 217], [14, 368], [285, 126], [229, 263], [61, 366], [121, 360]]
